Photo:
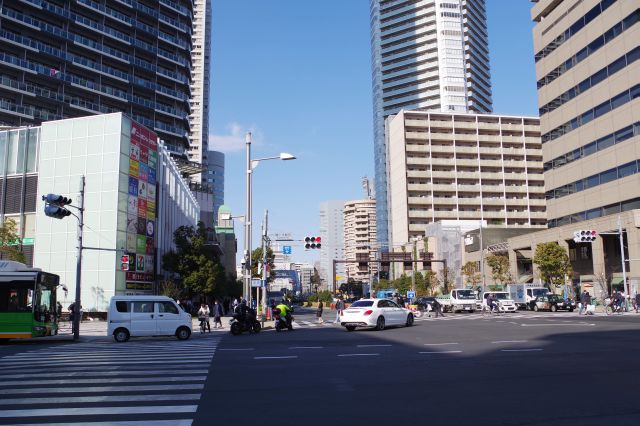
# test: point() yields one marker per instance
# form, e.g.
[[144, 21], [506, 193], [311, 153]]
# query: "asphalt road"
[[516, 369]]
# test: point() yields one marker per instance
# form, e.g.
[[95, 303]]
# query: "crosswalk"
[[312, 324], [505, 316], [141, 383]]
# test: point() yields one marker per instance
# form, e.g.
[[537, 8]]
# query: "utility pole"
[[482, 259], [247, 223], [624, 269], [265, 261], [414, 257], [77, 311]]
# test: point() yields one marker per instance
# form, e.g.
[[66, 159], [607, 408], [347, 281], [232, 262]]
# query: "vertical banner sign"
[[141, 211]]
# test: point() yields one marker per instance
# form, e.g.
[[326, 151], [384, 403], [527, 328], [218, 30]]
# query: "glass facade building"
[[63, 59], [428, 55]]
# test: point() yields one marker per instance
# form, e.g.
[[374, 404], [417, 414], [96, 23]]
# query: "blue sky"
[[297, 74]]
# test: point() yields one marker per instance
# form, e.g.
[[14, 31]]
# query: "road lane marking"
[[510, 341], [358, 354], [373, 346], [275, 357], [441, 352], [85, 390], [306, 347], [101, 398], [103, 380], [440, 344], [239, 349], [84, 411], [582, 324], [522, 350], [94, 373], [177, 422]]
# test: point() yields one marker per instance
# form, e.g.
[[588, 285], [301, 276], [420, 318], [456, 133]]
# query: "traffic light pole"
[[76, 313]]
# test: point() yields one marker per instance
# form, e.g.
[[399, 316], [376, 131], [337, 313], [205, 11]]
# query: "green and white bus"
[[27, 302]]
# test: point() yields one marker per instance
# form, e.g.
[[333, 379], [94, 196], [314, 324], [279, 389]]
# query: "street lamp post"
[[252, 164]]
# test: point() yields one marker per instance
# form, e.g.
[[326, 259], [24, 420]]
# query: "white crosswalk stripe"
[[504, 316], [134, 384], [312, 324]]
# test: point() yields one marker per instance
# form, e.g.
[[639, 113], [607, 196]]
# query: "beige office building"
[[463, 167], [589, 98], [360, 238]]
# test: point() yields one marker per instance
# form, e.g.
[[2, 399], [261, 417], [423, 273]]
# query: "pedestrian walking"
[[203, 317], [319, 312], [637, 302], [437, 307], [339, 308], [583, 302], [217, 314]]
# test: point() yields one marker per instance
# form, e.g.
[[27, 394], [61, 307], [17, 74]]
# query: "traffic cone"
[[268, 314]]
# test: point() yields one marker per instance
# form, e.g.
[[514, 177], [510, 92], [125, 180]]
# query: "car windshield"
[[539, 292], [501, 296], [466, 294], [362, 304]]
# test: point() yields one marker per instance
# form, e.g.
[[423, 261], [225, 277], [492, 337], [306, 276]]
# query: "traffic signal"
[[311, 243], [54, 206], [585, 236], [124, 262], [56, 212]]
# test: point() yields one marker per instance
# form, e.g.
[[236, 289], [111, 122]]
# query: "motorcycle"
[[282, 323], [238, 324]]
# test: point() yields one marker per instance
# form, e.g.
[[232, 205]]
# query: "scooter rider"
[[285, 312]]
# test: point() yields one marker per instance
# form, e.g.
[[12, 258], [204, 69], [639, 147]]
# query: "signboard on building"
[[141, 208]]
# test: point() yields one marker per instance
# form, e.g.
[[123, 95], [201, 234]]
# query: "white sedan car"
[[377, 313]]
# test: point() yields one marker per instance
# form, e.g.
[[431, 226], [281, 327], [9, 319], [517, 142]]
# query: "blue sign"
[[286, 249], [411, 295]]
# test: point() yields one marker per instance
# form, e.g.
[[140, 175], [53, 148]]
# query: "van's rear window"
[[122, 306]]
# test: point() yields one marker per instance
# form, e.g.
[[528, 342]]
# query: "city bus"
[[27, 302]]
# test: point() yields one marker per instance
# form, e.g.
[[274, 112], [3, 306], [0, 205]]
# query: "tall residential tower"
[[428, 55]]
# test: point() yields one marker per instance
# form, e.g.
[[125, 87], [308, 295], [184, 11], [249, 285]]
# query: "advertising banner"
[[141, 210]]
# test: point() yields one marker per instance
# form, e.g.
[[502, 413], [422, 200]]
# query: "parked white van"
[[134, 316]]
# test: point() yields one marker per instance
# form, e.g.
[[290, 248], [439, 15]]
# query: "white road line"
[[510, 341], [115, 353], [558, 324], [74, 359], [373, 346], [157, 409], [177, 422], [101, 363], [85, 390], [97, 381], [441, 352], [239, 349], [306, 347], [167, 368], [275, 357], [94, 373], [358, 354], [521, 350], [102, 398], [440, 344]]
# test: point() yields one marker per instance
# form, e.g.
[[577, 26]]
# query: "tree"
[[499, 269], [446, 278], [195, 261], [9, 240], [170, 289], [256, 260], [431, 282], [553, 263], [471, 271]]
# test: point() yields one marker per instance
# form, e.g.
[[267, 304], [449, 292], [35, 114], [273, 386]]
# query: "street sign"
[[256, 282], [286, 249], [411, 295]]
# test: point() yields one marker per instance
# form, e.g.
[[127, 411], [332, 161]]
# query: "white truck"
[[523, 294], [458, 300], [505, 303]]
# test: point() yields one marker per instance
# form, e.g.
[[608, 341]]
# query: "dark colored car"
[[553, 303], [425, 302]]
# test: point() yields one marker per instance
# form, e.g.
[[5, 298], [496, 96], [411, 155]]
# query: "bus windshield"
[[44, 306]]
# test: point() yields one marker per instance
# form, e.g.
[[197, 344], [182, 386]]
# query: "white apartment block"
[[199, 102], [332, 234], [429, 55], [360, 238], [463, 167]]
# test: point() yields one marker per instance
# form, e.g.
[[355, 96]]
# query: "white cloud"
[[234, 139]]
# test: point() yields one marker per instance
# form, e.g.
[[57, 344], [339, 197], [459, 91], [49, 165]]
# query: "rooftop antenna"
[[366, 187]]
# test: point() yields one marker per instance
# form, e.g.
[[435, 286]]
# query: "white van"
[[134, 316]]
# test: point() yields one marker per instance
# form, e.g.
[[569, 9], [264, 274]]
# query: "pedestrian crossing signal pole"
[[77, 312]]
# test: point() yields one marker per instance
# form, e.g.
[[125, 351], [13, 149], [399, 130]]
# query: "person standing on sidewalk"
[[339, 308], [319, 312], [217, 313]]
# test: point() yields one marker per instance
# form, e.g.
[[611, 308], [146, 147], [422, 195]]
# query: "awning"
[[524, 279], [617, 281]]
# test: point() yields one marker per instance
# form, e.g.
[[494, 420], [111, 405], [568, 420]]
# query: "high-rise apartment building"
[[332, 234], [588, 71], [360, 238], [463, 167], [199, 102], [429, 55], [64, 59]]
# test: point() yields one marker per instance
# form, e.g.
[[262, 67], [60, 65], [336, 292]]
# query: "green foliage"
[[426, 283], [446, 277], [256, 259], [499, 269], [471, 271], [326, 296], [9, 238], [553, 263], [170, 289], [195, 262]]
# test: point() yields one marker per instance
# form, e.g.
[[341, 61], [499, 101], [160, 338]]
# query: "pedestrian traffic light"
[[124, 262], [54, 206], [311, 243], [585, 236]]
